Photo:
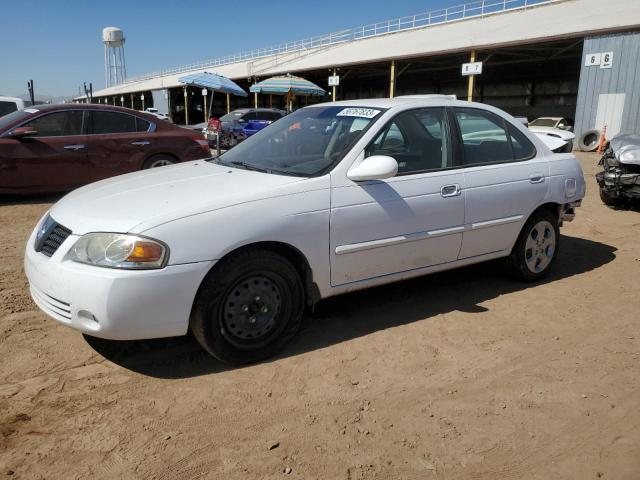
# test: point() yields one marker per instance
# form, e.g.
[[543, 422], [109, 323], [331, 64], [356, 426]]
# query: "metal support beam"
[[333, 92], [206, 112], [228, 103], [471, 78], [132, 101], [255, 99], [392, 80], [186, 106]]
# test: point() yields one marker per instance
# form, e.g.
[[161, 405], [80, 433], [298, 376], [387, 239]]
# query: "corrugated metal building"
[[609, 90]]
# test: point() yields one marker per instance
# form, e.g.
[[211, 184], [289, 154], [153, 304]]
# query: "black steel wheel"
[[248, 307]]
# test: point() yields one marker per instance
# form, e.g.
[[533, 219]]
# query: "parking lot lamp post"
[[392, 79], [142, 98], [186, 106], [471, 77]]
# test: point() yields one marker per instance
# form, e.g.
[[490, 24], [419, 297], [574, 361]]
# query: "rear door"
[[505, 181], [54, 159], [117, 143]]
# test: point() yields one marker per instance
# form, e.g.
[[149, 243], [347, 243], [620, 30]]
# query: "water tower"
[[115, 69]]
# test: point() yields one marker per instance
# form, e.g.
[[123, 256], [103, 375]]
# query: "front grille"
[[52, 238]]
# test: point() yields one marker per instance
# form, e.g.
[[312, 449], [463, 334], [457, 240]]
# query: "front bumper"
[[619, 182], [111, 303]]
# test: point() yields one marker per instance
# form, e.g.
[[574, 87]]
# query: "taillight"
[[215, 124]]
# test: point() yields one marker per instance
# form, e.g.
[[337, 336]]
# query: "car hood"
[[626, 148], [138, 201], [554, 132]]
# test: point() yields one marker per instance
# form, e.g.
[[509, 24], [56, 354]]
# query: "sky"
[[58, 43]]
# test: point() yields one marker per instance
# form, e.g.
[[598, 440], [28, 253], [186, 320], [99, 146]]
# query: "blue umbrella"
[[287, 84], [214, 82]]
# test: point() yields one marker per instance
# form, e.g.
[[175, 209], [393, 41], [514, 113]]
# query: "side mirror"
[[23, 132], [377, 167]]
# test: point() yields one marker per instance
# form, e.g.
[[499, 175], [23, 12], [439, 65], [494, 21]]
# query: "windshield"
[[304, 143], [12, 117], [543, 122]]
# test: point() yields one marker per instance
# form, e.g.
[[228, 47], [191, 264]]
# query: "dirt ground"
[[465, 374]]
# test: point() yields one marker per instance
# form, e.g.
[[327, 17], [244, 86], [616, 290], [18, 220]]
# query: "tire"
[[248, 307], [588, 141], [532, 256], [158, 161], [609, 199]]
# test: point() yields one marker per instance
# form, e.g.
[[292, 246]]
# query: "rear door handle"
[[75, 147], [140, 143], [452, 190], [536, 178]]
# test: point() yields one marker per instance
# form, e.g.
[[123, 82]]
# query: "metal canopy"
[[214, 82]]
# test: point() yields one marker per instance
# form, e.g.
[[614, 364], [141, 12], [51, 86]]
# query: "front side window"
[[308, 142], [111, 122], [484, 137], [57, 124], [417, 139]]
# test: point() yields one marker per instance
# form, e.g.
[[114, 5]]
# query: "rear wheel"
[[537, 247], [159, 161], [248, 307]]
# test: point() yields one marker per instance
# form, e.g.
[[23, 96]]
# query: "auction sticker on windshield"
[[358, 112]]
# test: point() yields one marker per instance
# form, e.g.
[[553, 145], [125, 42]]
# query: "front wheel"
[[248, 307], [158, 161], [537, 247]]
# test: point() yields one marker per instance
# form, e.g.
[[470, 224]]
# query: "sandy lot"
[[458, 375]]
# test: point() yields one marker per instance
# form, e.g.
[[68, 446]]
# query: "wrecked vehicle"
[[620, 179]]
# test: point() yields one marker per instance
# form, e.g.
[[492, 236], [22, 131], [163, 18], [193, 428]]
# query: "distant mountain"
[[46, 98]]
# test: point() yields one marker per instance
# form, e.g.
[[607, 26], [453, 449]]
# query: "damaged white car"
[[620, 179]]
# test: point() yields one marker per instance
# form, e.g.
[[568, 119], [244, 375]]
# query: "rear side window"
[[488, 138], [142, 125], [7, 107], [57, 124], [112, 122]]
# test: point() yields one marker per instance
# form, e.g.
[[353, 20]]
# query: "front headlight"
[[118, 250]]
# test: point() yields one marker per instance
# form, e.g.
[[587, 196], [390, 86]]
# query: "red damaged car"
[[54, 148]]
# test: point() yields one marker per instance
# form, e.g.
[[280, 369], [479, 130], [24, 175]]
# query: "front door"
[[54, 159], [505, 181], [407, 222]]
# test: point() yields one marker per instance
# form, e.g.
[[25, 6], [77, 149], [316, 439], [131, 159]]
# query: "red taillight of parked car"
[[215, 124]]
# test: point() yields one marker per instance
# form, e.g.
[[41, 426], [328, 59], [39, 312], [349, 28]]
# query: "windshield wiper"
[[246, 166]]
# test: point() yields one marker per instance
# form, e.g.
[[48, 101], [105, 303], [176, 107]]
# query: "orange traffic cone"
[[602, 143]]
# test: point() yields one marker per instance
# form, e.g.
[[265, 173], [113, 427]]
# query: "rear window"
[[7, 107], [112, 122]]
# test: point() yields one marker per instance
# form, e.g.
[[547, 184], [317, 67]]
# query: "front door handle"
[[452, 190], [140, 143], [75, 147], [536, 178]]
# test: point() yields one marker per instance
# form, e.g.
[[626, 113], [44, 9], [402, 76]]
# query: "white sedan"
[[332, 198]]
